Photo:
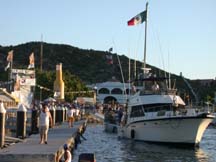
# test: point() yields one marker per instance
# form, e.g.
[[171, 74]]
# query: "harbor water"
[[108, 148]]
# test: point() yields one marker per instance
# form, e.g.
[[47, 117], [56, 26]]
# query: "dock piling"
[[2, 124], [34, 128], [21, 121]]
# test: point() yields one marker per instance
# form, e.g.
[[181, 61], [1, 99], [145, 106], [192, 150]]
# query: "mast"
[[135, 68], [129, 73], [144, 61]]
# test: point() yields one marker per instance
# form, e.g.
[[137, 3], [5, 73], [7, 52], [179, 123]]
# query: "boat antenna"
[[144, 61], [169, 83], [119, 62], [129, 72]]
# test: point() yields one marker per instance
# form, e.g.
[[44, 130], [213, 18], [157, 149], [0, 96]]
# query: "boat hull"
[[174, 130]]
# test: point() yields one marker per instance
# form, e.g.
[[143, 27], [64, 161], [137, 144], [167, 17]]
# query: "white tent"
[[50, 99]]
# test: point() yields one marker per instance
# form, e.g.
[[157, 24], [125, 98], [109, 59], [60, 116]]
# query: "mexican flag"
[[138, 19]]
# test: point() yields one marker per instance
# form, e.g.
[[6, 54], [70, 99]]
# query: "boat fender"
[[132, 134]]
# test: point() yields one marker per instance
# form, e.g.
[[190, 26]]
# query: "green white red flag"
[[138, 19]]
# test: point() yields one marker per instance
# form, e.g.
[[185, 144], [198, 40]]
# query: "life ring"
[[132, 134]]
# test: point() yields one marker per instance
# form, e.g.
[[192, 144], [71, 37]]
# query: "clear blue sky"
[[181, 33]]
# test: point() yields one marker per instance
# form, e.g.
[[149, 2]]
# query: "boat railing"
[[202, 107], [158, 92]]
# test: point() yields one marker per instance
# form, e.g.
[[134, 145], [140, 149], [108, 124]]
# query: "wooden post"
[[2, 124]]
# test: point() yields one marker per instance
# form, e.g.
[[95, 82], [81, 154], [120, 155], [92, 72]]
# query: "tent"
[[50, 99]]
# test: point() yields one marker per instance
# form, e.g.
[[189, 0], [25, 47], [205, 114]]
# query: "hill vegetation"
[[83, 67]]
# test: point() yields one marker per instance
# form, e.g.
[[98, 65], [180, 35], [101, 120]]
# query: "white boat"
[[158, 114], [161, 116]]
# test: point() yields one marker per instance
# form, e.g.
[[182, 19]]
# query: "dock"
[[31, 150]]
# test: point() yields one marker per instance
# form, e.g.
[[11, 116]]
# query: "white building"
[[113, 91]]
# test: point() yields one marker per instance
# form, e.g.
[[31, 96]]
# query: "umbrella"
[[50, 99]]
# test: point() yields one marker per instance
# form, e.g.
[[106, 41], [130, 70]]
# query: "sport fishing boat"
[[158, 114]]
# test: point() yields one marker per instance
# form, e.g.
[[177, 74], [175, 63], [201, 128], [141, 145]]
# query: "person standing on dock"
[[71, 114], [67, 154], [44, 119]]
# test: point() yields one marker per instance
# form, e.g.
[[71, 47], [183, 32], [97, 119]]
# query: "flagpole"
[[129, 73], [11, 67], [135, 68], [144, 61]]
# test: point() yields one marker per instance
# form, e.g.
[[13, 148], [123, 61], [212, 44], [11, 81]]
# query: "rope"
[[73, 92]]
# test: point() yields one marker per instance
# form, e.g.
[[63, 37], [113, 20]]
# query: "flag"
[[110, 49], [109, 59], [7, 67], [10, 56], [9, 59], [138, 19], [31, 61]]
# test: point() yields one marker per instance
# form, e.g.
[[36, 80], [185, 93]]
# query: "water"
[[108, 148]]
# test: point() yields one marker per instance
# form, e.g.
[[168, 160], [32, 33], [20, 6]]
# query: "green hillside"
[[91, 66]]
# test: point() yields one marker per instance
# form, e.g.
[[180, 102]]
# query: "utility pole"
[[41, 54]]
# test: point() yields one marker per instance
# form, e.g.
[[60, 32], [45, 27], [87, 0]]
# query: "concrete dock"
[[31, 151]]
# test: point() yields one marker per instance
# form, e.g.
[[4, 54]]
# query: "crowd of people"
[[113, 113], [74, 112]]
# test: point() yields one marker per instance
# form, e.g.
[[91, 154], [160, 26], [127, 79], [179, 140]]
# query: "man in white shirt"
[[44, 119], [71, 113]]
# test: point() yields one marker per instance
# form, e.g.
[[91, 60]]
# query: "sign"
[[24, 77]]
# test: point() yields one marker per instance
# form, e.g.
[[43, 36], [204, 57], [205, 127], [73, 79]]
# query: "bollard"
[[34, 124], [2, 124], [58, 115], [21, 121], [66, 117], [53, 114], [63, 113], [87, 157]]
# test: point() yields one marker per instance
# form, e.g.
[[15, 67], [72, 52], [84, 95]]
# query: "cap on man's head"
[[65, 146]]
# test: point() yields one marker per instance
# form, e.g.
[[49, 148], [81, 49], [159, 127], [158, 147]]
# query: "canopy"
[[50, 99]]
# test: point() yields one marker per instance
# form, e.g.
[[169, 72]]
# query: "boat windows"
[[157, 107], [137, 111]]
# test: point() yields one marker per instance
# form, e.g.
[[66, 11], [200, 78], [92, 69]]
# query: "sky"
[[181, 34]]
